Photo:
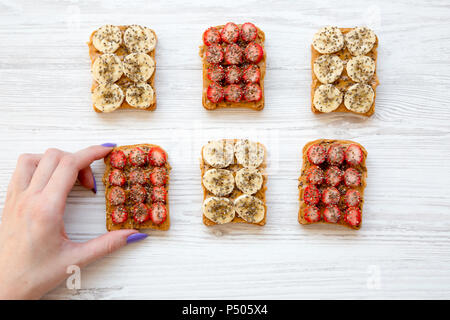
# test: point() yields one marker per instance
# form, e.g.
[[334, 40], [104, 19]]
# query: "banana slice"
[[219, 210], [220, 182], [327, 98], [359, 98], [249, 181], [140, 95], [248, 153], [107, 97], [139, 67], [249, 208], [328, 68], [360, 40], [361, 68], [107, 39], [218, 154], [107, 68], [328, 40], [139, 39]]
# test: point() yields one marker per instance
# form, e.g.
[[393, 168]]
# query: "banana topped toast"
[[234, 182], [343, 64], [123, 67], [234, 65], [136, 182], [332, 183]]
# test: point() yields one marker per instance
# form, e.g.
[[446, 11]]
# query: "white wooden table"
[[403, 248]]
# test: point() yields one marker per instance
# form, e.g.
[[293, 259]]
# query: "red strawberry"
[[230, 33], [233, 74], [118, 159], [352, 177], [233, 93], [137, 193], [119, 214], [116, 196], [335, 154], [233, 54], [216, 73], [214, 93], [158, 177], [354, 155], [211, 36], [141, 212], [331, 196], [157, 156], [252, 92], [251, 74], [334, 176], [315, 175], [117, 178], [316, 154], [253, 52], [214, 54], [332, 214], [311, 195], [159, 194], [137, 176], [158, 213], [137, 157], [248, 32], [312, 214], [353, 216], [352, 198]]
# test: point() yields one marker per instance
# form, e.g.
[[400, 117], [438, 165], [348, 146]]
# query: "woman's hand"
[[34, 248]]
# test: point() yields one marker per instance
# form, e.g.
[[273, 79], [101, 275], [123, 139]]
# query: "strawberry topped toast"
[[332, 183], [234, 65], [136, 182]]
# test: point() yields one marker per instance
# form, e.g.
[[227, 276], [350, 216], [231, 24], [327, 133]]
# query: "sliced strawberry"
[[233, 54], [137, 193], [253, 52], [331, 196], [159, 194], [316, 154], [157, 156], [352, 198], [117, 178], [119, 214], [214, 54], [230, 33], [334, 176], [353, 216], [233, 93], [251, 74], [118, 159], [335, 154], [312, 214], [252, 92], [116, 196], [137, 157], [233, 74], [352, 177], [214, 93], [311, 195], [354, 155], [315, 175], [215, 73], [248, 32], [158, 177], [211, 36], [137, 176], [140, 212], [332, 214], [158, 213]]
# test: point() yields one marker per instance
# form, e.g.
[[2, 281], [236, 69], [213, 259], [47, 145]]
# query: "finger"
[[87, 179], [25, 168], [45, 169]]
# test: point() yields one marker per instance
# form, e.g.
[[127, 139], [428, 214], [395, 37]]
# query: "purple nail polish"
[[136, 237], [109, 145], [94, 190]]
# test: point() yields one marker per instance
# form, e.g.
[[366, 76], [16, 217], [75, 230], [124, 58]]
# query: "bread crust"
[[344, 80], [259, 105], [234, 167], [123, 82], [302, 180], [130, 223]]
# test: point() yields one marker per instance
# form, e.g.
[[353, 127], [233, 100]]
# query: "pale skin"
[[34, 248]]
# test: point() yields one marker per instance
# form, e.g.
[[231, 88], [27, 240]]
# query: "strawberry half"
[[353, 216], [137, 193], [352, 198], [141, 212], [334, 176], [157, 156], [211, 36], [116, 196], [159, 194], [248, 32], [331, 196], [230, 33], [315, 175], [253, 52], [158, 177], [332, 214], [119, 214], [117, 178], [354, 155], [137, 157], [311, 195], [118, 159], [137, 176], [158, 213], [352, 177], [312, 214], [214, 93], [335, 154], [316, 154]]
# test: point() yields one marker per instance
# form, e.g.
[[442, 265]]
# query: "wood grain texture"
[[45, 93]]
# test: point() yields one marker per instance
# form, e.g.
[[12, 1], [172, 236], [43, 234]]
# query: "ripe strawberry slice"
[[334, 176], [233, 54], [159, 194], [230, 33], [118, 159], [311, 194], [137, 176], [252, 92], [331, 196], [214, 93], [354, 155], [352, 177], [316, 154], [253, 52], [158, 213], [157, 156], [353, 216], [117, 178], [137, 193], [315, 175], [119, 214], [214, 54], [312, 214], [233, 74], [158, 177], [233, 93], [116, 196], [335, 154], [352, 198], [216, 73], [251, 74], [140, 212], [211, 36], [248, 32], [332, 214], [137, 157]]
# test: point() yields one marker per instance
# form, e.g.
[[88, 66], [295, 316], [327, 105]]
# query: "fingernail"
[[136, 237], [94, 190], [109, 145]]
